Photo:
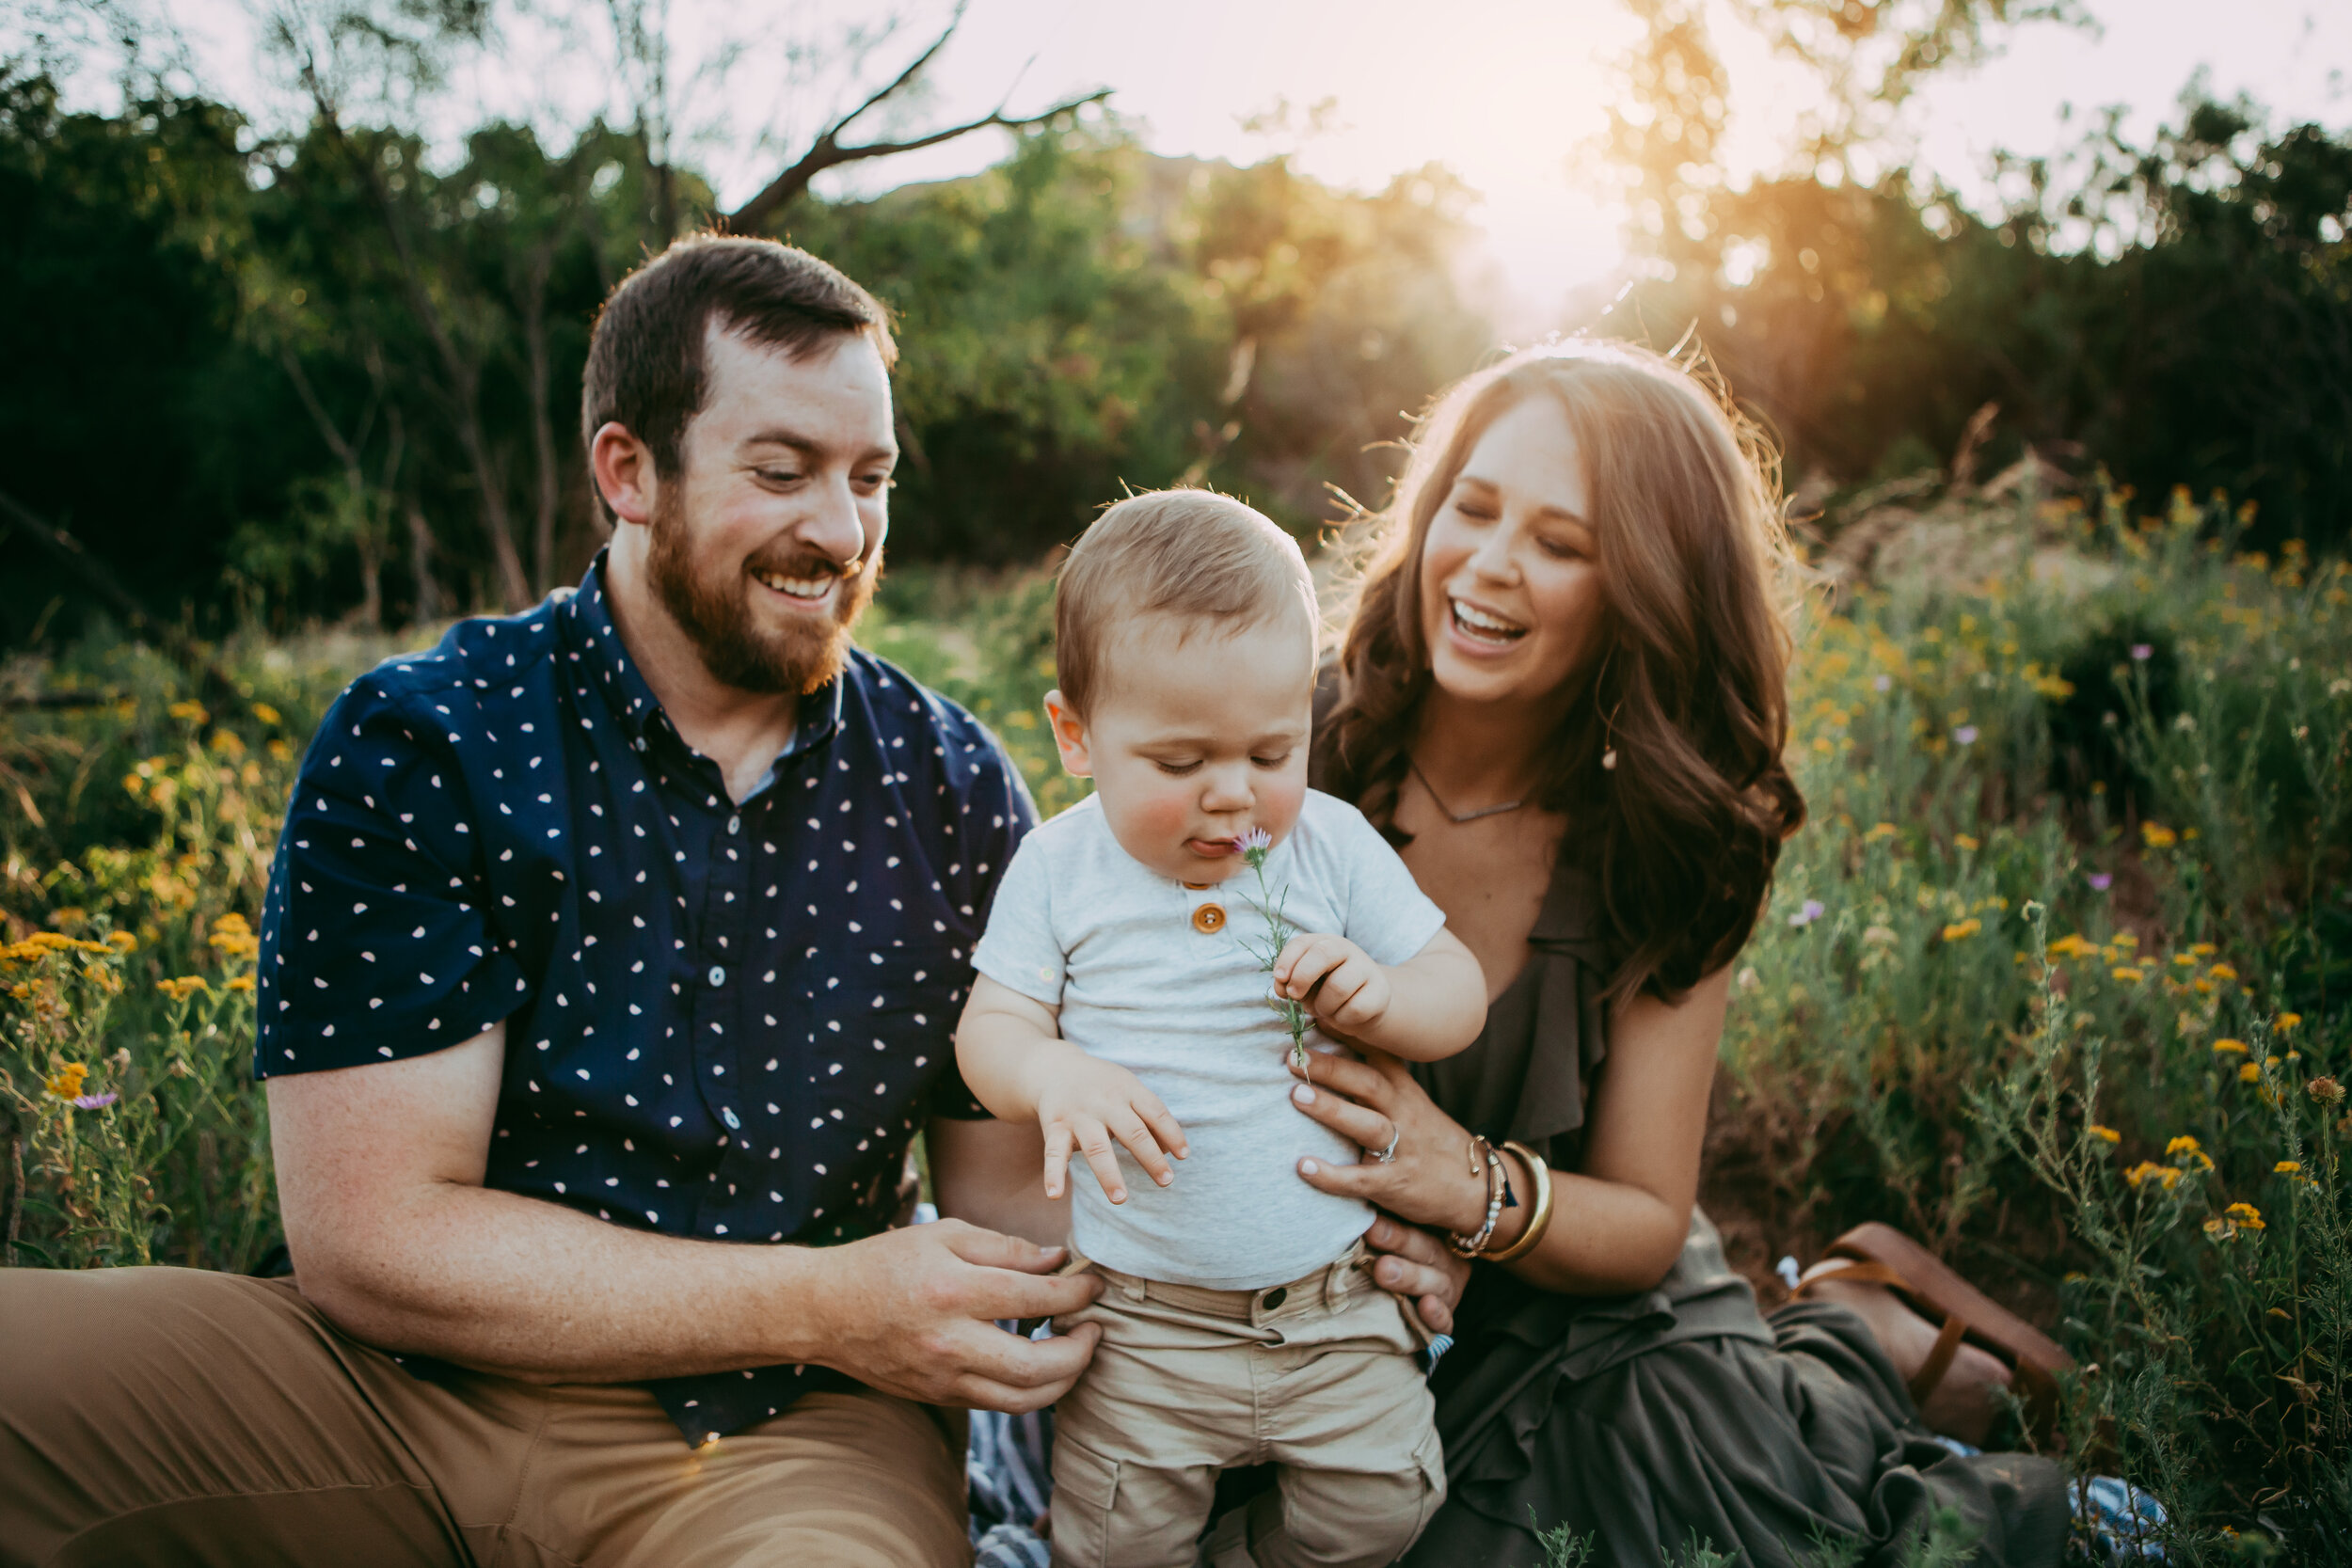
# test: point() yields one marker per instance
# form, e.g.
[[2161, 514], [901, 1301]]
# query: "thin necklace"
[[1458, 817]]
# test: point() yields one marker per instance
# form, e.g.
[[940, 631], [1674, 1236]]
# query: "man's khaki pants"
[[166, 1416], [1317, 1377]]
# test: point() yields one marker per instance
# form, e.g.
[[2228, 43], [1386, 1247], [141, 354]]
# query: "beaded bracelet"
[[1470, 1246], [1540, 1221]]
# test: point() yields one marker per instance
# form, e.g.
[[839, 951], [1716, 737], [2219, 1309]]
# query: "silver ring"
[[1389, 1154]]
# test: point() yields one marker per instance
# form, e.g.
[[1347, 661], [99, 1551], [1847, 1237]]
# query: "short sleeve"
[[376, 945], [1002, 813], [1019, 949], [1387, 914]]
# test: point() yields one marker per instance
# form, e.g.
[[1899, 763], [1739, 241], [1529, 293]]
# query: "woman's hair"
[[1687, 685]]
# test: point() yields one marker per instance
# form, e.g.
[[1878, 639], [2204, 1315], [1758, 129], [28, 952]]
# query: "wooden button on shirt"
[[1209, 919]]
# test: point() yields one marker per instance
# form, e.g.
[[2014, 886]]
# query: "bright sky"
[[1499, 91]]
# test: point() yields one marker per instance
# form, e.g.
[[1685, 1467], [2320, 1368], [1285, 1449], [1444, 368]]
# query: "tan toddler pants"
[[1317, 1376]]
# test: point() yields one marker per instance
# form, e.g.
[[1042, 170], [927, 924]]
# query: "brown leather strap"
[[1852, 1274], [1939, 1361]]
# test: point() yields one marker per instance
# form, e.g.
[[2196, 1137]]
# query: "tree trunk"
[[430, 606]]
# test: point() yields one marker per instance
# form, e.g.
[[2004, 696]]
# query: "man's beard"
[[716, 612]]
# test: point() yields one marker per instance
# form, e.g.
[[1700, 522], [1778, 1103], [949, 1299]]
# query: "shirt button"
[[735, 824], [718, 976], [1209, 919], [734, 1122], [1275, 1297]]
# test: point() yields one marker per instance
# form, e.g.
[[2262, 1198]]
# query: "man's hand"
[[1083, 1103], [1355, 992], [912, 1313]]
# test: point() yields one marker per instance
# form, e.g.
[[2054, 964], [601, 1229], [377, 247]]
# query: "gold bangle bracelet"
[[1540, 1221]]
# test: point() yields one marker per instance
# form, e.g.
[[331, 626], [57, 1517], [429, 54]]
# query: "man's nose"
[[832, 528]]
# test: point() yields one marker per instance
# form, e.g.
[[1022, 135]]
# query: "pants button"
[[1275, 1298]]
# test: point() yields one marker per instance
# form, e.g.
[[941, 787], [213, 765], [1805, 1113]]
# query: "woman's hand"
[[1429, 1180], [1416, 1266]]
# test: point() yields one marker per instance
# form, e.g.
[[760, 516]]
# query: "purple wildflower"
[[1965, 734], [2102, 881], [93, 1101], [1811, 911], [1254, 838], [2142, 652]]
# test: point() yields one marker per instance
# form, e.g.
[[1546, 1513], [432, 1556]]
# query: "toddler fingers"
[[1164, 1124], [1095, 1142], [1057, 1157], [1137, 1138]]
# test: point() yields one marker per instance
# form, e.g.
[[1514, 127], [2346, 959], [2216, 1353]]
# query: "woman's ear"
[[1070, 736]]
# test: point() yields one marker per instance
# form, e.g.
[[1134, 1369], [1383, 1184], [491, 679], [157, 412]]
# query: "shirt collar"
[[605, 663]]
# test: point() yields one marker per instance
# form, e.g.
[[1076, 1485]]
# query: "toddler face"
[[1197, 739]]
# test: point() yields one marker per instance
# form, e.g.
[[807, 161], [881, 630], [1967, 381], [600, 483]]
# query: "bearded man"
[[607, 971]]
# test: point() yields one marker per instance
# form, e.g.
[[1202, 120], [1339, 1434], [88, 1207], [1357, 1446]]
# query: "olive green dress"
[[1676, 1415]]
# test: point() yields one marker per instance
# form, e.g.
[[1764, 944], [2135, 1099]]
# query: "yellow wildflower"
[[2244, 1215], [67, 1081], [2181, 1144], [228, 743], [1965, 841], [2201, 949], [2106, 1134], [2286, 1022], [183, 987], [122, 941], [2168, 1176], [1884, 830], [2157, 836], [1961, 929], [280, 749], [2250, 1072], [2228, 1048], [241, 982], [266, 714], [2287, 1168], [2072, 947], [2222, 971], [194, 711], [2125, 971], [2124, 939]]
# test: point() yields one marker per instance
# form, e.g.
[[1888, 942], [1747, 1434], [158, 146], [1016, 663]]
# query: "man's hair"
[[647, 366], [1194, 554]]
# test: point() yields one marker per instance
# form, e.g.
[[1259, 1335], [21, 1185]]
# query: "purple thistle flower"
[[2102, 881], [93, 1101], [1255, 838], [2143, 652], [1811, 911], [1965, 734]]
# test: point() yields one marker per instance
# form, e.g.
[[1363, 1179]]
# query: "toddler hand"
[[1089, 1104], [1355, 991]]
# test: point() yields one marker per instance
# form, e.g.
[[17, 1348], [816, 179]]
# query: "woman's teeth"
[[1480, 626], [798, 588]]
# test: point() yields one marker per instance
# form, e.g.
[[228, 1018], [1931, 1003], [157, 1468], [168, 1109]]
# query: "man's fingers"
[[1035, 1295], [993, 1249], [1095, 1142], [1044, 1372], [1436, 1316]]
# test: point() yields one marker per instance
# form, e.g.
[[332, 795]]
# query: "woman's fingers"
[[1367, 1128], [1367, 1181], [1359, 1081]]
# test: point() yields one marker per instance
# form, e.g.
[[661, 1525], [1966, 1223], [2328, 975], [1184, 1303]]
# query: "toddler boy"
[[1123, 1003]]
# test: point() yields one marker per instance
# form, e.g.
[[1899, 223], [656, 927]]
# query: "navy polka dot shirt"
[[722, 1021]]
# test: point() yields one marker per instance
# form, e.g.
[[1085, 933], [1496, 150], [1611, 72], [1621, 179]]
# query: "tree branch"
[[827, 151]]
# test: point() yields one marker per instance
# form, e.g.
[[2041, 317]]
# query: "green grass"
[[2055, 979]]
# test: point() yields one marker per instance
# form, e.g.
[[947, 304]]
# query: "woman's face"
[[1510, 579]]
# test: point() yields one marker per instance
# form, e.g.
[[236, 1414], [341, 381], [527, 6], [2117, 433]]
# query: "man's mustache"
[[808, 566]]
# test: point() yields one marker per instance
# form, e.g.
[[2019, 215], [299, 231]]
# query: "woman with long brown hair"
[[1562, 693]]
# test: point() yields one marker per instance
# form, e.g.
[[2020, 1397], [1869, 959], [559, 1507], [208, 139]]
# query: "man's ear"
[[624, 474], [1070, 736]]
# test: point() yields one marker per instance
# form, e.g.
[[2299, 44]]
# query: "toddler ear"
[[1070, 736]]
